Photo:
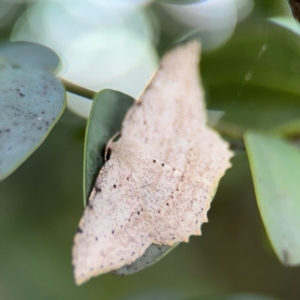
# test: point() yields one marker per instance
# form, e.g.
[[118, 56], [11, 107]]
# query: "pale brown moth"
[[156, 186]]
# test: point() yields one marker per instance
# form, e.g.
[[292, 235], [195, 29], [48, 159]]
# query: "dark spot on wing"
[[19, 93], [79, 230], [114, 186]]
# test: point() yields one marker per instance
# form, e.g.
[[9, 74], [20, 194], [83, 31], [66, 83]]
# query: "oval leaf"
[[105, 120], [151, 256], [275, 167], [30, 54], [31, 100], [255, 79]]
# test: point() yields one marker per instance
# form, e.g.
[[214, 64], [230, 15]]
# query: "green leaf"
[[255, 108], [30, 54], [152, 254], [107, 113], [275, 167], [290, 130], [31, 101], [255, 77]]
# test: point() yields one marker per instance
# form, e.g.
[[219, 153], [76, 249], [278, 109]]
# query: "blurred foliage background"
[[250, 70]]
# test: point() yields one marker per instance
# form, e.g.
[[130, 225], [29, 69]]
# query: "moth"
[[159, 178]]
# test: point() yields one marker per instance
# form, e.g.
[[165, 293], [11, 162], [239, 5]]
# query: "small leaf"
[[30, 54], [275, 167], [151, 256], [107, 113], [31, 101]]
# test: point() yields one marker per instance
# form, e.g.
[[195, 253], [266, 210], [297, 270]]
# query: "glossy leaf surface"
[[30, 54], [31, 101], [275, 167]]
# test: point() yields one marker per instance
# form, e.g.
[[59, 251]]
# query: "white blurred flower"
[[101, 47], [214, 20], [109, 44]]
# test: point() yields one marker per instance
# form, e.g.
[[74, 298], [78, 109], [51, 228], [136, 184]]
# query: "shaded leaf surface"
[[257, 88], [107, 113], [31, 100], [275, 167], [151, 256], [30, 54]]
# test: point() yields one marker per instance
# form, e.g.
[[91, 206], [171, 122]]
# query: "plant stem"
[[78, 90]]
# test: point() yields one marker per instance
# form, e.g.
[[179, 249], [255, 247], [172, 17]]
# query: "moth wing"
[[114, 229], [173, 103], [178, 186]]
